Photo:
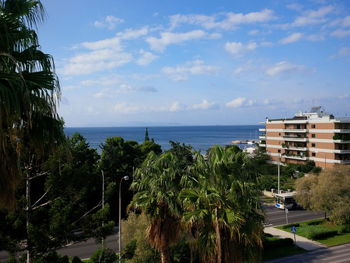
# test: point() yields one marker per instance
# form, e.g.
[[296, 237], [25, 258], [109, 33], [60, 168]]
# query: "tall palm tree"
[[223, 210], [29, 92], [157, 183]]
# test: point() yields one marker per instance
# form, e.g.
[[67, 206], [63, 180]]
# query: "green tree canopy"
[[222, 207], [29, 92], [329, 191]]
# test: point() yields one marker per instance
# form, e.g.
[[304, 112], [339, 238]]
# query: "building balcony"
[[295, 130], [262, 145], [295, 157], [262, 137], [294, 148], [294, 138], [262, 129]]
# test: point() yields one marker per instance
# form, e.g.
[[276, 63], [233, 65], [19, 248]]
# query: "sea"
[[199, 137]]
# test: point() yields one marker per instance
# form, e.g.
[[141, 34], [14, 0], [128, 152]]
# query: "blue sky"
[[144, 63]]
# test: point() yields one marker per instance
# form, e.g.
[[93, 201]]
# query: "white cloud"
[[145, 58], [238, 48], [95, 61], [105, 43], [315, 37], [295, 6], [131, 33], [236, 103], [204, 105], [195, 67], [340, 33], [230, 20], [105, 54], [123, 88], [291, 38], [285, 67], [108, 22], [169, 38], [125, 108], [176, 106], [312, 17], [342, 52]]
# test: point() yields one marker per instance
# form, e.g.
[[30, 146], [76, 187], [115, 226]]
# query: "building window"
[[279, 151], [313, 135], [313, 145], [313, 126], [313, 154]]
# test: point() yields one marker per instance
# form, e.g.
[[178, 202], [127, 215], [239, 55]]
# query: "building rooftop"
[[315, 113]]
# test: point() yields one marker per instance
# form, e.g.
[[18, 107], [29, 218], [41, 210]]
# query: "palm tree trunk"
[[218, 239], [165, 255]]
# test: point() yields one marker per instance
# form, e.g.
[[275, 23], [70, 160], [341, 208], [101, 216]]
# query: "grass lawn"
[[280, 251], [314, 229], [266, 199]]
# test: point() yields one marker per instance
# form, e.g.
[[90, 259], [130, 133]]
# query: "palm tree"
[[29, 92], [157, 183], [222, 210]]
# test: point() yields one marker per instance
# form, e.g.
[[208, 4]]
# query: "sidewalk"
[[302, 242]]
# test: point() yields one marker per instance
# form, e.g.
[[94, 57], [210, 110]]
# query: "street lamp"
[[126, 178]]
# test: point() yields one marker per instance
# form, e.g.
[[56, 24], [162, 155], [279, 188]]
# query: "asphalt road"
[[337, 254], [274, 217]]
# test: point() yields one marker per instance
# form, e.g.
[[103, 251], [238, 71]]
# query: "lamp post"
[[278, 174], [126, 178]]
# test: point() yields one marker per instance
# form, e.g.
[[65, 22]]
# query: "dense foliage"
[[215, 200], [329, 191], [29, 91]]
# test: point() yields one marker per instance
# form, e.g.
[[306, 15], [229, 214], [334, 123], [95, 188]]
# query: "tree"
[[29, 91], [158, 183], [222, 207], [146, 135], [329, 191], [66, 202]]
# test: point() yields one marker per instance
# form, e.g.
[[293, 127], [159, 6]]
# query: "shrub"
[[104, 256], [134, 229], [129, 250], [290, 225], [344, 229], [321, 234], [76, 260], [277, 243], [314, 223]]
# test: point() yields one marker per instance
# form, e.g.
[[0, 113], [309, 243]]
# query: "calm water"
[[200, 137]]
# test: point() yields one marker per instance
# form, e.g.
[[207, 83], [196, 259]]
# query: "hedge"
[[276, 243], [321, 234]]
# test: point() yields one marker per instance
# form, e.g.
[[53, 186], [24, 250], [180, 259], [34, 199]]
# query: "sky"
[[222, 62]]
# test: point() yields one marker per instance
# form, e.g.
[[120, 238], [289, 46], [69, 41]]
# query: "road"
[[274, 217], [337, 254], [82, 249]]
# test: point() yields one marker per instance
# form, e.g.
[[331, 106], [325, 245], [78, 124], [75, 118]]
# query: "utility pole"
[[103, 204], [28, 213], [278, 174], [126, 178]]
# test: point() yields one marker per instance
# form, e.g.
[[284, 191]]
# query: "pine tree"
[[146, 135]]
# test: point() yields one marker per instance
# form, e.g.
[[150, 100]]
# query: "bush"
[[134, 229], [321, 234], [290, 225], [344, 229], [129, 250], [76, 260], [51, 257], [277, 243], [314, 223], [104, 256]]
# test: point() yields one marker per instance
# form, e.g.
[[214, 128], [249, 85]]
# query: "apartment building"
[[314, 135]]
